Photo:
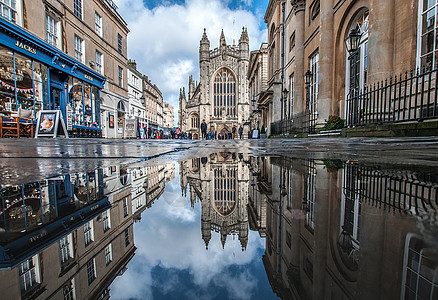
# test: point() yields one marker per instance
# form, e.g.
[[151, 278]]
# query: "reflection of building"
[[66, 239], [339, 230], [221, 97], [221, 184]]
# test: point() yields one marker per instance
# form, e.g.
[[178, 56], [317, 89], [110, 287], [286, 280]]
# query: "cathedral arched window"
[[224, 96], [225, 186], [194, 118]]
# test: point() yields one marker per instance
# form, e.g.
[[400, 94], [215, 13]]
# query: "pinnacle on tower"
[[204, 39], [222, 41]]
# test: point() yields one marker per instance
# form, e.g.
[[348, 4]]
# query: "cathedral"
[[221, 97], [221, 183]]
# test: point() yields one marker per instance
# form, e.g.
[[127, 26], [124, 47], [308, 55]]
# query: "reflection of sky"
[[171, 261]]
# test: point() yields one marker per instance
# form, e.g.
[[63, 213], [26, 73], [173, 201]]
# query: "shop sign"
[[69, 118], [25, 47], [50, 124], [130, 128]]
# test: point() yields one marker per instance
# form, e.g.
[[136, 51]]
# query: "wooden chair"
[[9, 126], [26, 127]]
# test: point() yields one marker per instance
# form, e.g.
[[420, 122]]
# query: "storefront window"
[[24, 82], [87, 105], [95, 106], [76, 101], [7, 84], [40, 82]]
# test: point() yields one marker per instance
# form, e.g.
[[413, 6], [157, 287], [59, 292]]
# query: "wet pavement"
[[234, 219]]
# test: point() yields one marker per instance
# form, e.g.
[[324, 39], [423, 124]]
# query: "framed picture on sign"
[[50, 124], [111, 120]]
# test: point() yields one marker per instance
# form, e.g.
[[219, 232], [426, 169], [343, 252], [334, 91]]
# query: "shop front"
[[35, 76]]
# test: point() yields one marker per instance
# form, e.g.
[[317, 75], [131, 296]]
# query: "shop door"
[[55, 98]]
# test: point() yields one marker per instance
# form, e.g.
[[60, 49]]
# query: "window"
[[309, 189], [292, 41], [224, 93], [99, 62], [427, 31], [225, 197], [120, 76], [68, 290], [79, 49], [125, 207], [8, 10], [88, 233], [272, 60], [314, 10], [29, 273], [106, 220], [351, 203], [77, 8], [313, 107], [65, 249], [51, 31], [91, 272], [98, 23], [119, 43], [126, 237], [195, 121], [108, 254]]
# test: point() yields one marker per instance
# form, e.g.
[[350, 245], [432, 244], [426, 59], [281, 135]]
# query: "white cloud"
[[164, 40]]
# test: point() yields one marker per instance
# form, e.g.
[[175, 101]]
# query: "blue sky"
[[164, 35]]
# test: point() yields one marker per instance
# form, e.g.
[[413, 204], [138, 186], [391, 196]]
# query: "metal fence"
[[408, 97], [299, 123]]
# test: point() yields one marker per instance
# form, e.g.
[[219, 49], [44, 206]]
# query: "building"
[[221, 183], [137, 108], [385, 42], [261, 108], [50, 53], [168, 115], [75, 238], [154, 104], [221, 97]]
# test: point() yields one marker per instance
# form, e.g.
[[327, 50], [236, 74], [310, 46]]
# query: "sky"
[[164, 35], [171, 261]]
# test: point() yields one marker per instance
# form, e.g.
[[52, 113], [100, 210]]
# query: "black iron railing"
[[408, 97], [299, 123]]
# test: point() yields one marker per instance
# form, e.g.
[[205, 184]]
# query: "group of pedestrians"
[[213, 135]]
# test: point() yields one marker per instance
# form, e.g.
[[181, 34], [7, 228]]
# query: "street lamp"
[[352, 45], [308, 80]]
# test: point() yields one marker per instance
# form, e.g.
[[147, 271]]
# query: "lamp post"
[[352, 46], [285, 91], [307, 81]]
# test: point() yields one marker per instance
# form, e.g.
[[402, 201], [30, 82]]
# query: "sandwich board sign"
[[50, 123]]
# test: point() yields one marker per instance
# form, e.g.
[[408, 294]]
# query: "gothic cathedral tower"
[[221, 98]]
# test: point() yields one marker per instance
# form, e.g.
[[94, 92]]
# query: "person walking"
[[204, 129], [234, 132], [240, 131]]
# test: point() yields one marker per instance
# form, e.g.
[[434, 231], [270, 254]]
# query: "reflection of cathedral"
[[221, 183], [221, 97]]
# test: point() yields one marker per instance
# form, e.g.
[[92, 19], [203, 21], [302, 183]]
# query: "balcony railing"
[[408, 97]]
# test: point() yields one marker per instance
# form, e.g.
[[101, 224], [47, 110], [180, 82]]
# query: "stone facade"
[[154, 103], [309, 35], [221, 97], [168, 115]]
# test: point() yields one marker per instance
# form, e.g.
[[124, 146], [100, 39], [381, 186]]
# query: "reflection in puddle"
[[223, 226]]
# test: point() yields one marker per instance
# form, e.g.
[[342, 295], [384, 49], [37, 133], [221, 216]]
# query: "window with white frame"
[[8, 10], [120, 76], [29, 273], [99, 62], [77, 8], [88, 233], [52, 31], [91, 271], [79, 49], [310, 186], [66, 248], [125, 207], [106, 220], [108, 254], [313, 105], [119, 43], [427, 47], [291, 95], [68, 290], [98, 23]]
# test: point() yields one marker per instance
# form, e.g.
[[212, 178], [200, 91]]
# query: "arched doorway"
[[224, 133], [121, 111]]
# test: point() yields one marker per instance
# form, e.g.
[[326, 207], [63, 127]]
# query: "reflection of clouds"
[[169, 236]]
